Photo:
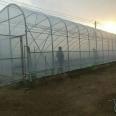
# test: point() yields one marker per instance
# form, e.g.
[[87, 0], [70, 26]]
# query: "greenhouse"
[[30, 41]]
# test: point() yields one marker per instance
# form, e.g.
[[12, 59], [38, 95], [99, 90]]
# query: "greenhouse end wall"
[[29, 43]]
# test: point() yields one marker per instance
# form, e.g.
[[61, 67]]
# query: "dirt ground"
[[82, 93]]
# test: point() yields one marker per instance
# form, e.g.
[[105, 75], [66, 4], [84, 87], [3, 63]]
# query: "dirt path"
[[84, 94]]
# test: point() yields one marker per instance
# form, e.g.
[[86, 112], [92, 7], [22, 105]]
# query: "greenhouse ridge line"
[[54, 13], [84, 21], [87, 22]]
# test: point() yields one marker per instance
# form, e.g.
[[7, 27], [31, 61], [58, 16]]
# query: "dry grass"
[[83, 94]]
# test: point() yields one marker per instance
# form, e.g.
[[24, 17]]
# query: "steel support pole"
[[80, 52], [9, 28], [80, 57], [67, 38], [88, 43], [102, 46], [22, 57], [52, 42], [53, 62], [45, 64], [115, 49], [68, 52], [35, 61], [96, 41], [112, 50], [108, 51]]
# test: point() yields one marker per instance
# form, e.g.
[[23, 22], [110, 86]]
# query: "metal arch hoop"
[[25, 24], [67, 34]]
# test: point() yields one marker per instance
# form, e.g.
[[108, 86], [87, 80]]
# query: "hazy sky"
[[100, 10], [88, 9]]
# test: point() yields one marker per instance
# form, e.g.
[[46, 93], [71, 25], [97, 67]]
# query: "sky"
[[103, 11]]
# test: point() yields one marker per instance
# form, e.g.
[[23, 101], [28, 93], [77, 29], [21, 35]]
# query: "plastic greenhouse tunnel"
[[30, 40]]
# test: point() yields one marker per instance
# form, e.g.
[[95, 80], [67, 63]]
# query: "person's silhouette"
[[60, 59]]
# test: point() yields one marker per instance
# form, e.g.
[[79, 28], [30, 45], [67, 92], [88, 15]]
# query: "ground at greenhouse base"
[[81, 94]]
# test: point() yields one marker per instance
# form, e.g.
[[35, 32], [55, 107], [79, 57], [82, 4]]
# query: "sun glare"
[[108, 26]]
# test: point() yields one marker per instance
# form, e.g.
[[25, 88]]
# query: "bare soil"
[[78, 93]]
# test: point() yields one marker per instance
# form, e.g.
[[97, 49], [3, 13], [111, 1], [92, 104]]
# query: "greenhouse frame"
[[29, 42]]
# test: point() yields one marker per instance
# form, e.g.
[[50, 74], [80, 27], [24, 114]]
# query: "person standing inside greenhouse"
[[60, 59]]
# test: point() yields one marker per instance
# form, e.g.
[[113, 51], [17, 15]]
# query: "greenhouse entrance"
[[12, 59], [18, 56]]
